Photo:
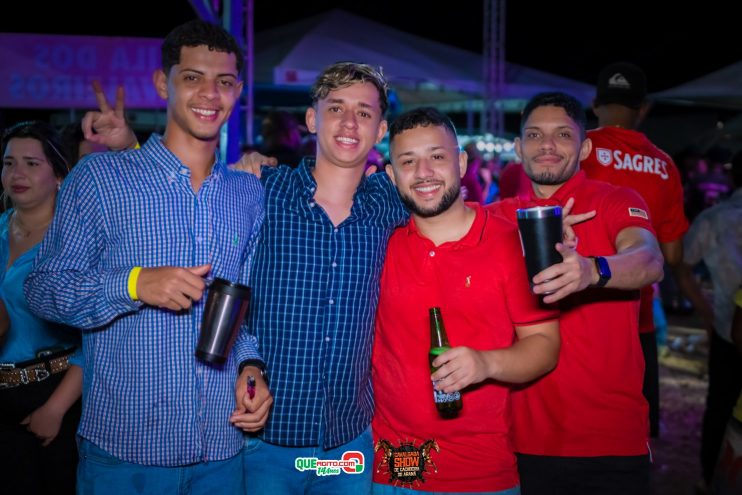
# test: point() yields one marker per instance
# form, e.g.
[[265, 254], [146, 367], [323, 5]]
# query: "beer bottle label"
[[443, 398]]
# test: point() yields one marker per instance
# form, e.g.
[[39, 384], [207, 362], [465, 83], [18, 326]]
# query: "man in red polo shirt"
[[625, 157], [463, 259], [582, 429]]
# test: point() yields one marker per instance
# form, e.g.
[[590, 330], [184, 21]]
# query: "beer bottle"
[[448, 405]]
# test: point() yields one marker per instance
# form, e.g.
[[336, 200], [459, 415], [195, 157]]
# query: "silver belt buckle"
[[42, 374]]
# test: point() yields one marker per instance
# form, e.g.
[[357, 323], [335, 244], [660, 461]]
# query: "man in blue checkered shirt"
[[135, 236], [315, 282]]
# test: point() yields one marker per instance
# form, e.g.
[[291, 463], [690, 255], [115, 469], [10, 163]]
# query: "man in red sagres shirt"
[[623, 156]]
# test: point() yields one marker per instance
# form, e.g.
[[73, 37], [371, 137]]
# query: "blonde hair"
[[343, 74]]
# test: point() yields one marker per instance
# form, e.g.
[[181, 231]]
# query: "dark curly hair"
[[198, 33]]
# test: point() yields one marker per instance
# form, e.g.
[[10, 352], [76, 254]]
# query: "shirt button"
[[311, 204], [331, 301], [312, 189], [327, 339], [335, 230], [432, 253], [334, 265]]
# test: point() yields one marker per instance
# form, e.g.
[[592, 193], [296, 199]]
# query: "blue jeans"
[[380, 489], [276, 470], [101, 473]]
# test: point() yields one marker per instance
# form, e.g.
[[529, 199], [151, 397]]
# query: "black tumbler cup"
[[226, 308], [540, 229]]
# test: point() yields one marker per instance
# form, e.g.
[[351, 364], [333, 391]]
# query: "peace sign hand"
[[569, 219], [108, 126]]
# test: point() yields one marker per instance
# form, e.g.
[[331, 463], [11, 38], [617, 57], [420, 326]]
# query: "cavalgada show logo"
[[406, 464]]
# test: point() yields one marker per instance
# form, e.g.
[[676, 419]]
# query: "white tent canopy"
[[422, 71], [722, 88]]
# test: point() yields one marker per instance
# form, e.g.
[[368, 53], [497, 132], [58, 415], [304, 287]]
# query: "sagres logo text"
[[351, 463]]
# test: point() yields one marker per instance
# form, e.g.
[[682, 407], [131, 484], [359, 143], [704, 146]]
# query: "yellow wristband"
[[132, 284]]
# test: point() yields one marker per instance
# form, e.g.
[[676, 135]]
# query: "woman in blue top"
[[39, 389]]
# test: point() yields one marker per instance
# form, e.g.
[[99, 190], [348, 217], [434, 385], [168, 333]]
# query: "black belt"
[[34, 370]]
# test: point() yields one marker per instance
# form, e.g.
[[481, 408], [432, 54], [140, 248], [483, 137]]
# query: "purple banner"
[[52, 71]]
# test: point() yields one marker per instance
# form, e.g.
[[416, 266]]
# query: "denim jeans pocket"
[[89, 452]]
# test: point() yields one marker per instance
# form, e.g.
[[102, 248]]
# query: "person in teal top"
[[40, 386], [37, 334]]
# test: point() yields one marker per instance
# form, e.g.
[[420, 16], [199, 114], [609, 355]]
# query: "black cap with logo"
[[621, 83]]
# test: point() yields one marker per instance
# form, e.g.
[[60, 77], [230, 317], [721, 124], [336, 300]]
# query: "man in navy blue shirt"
[[315, 284]]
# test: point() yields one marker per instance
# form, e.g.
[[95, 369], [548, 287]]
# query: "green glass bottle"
[[448, 405]]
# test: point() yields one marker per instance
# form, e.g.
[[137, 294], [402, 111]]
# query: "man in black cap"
[[623, 156]]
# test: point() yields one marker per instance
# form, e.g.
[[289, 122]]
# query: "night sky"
[[566, 38]]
